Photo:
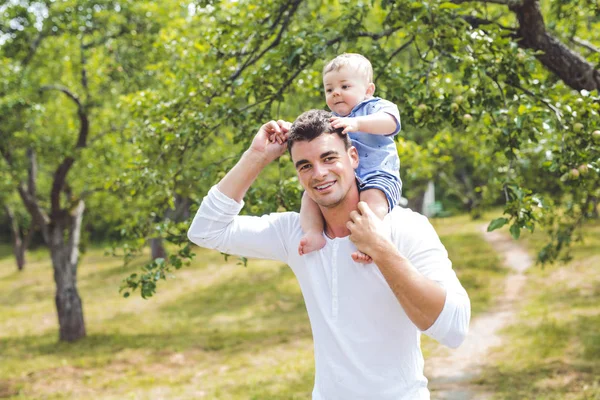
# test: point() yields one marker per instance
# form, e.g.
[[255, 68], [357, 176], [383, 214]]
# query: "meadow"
[[219, 330]]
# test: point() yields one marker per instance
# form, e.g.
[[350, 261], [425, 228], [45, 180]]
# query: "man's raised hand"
[[271, 140]]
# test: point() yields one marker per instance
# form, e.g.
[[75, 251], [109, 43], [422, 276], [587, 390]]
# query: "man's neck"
[[337, 217]]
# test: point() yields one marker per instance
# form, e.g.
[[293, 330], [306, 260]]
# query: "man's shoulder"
[[406, 220], [399, 212], [411, 230], [290, 220]]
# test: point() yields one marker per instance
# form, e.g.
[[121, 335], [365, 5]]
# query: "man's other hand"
[[366, 230]]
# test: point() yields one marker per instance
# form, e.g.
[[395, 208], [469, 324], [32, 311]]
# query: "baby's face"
[[344, 89]]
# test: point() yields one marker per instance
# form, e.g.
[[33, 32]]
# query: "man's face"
[[344, 89], [325, 168]]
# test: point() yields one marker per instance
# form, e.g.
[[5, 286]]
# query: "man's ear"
[[353, 154], [370, 89]]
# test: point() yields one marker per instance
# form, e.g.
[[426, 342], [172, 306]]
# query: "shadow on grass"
[[263, 308], [296, 387], [119, 271], [555, 358], [480, 271]]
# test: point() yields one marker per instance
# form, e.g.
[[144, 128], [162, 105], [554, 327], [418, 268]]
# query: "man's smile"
[[324, 186]]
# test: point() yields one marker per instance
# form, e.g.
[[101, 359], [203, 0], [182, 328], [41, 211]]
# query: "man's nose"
[[319, 171]]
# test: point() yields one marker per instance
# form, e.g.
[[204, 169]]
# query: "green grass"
[[553, 349], [477, 265], [216, 330]]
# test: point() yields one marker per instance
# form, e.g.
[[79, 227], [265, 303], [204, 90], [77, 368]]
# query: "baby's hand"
[[349, 124]]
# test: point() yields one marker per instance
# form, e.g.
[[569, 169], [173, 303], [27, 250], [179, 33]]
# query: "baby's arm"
[[376, 200], [379, 123], [311, 221]]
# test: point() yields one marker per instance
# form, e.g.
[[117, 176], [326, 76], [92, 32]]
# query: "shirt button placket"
[[334, 282]]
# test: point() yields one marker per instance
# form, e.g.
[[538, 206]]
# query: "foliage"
[[182, 87]]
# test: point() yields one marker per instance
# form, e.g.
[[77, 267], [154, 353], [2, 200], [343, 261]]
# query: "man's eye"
[[304, 167], [329, 159]]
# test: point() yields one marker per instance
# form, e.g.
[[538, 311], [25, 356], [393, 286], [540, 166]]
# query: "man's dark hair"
[[312, 124]]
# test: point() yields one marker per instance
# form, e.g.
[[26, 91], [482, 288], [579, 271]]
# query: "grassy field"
[[553, 348], [217, 330]]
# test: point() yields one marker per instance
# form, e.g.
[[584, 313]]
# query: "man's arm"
[[443, 312], [266, 147], [217, 224]]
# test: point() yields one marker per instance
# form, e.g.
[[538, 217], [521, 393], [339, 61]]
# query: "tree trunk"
[[19, 244], [573, 69], [65, 257], [180, 213], [158, 249], [415, 203]]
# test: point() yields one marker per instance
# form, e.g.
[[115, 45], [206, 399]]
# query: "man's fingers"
[[354, 216], [347, 130], [350, 225], [284, 125], [271, 127], [364, 208]]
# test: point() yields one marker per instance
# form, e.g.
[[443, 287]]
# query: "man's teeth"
[[325, 186]]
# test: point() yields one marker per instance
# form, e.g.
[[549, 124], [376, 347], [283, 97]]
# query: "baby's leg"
[[311, 222], [378, 203]]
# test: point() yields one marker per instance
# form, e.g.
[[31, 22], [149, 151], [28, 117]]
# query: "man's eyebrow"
[[300, 162], [330, 153], [323, 155]]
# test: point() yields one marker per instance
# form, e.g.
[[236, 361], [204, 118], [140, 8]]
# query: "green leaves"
[[497, 224]]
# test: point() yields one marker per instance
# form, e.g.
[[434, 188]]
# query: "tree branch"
[[63, 169], [81, 112], [84, 79], [502, 2], [32, 173], [585, 44], [569, 66], [273, 44], [37, 213], [6, 154], [573, 69], [374, 36], [104, 39]]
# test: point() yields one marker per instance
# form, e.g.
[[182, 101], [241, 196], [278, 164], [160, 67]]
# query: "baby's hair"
[[354, 60]]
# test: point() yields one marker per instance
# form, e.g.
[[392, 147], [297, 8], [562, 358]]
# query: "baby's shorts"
[[390, 185]]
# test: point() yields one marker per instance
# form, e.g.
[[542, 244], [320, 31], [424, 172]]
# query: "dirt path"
[[450, 377]]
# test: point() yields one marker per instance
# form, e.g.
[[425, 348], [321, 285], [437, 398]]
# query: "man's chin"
[[327, 201]]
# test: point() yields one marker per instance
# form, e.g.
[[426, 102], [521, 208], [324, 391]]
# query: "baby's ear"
[[370, 89]]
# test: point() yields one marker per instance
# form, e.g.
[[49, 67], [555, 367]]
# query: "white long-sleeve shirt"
[[365, 346]]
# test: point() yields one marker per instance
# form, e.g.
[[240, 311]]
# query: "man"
[[366, 319]]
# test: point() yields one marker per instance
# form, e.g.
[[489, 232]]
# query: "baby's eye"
[[345, 86], [328, 91]]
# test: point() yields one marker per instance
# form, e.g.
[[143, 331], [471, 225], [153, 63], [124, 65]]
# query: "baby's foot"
[[311, 242], [360, 257]]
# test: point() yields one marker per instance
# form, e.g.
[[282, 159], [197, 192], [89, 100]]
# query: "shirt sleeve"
[[422, 246], [387, 107], [217, 225]]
